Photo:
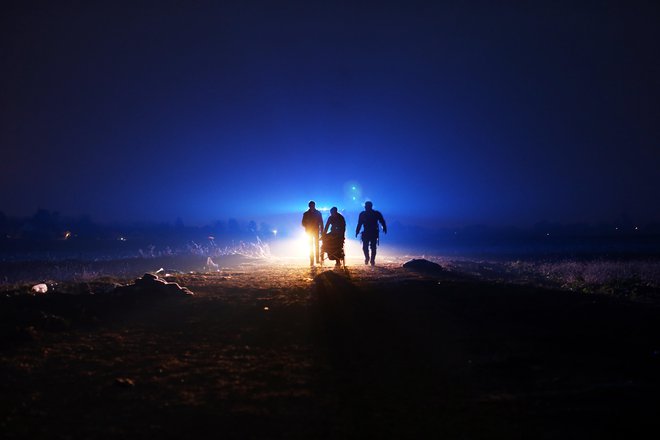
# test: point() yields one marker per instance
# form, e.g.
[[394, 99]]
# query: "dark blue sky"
[[451, 112]]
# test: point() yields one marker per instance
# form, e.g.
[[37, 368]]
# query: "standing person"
[[312, 221], [369, 218], [333, 242]]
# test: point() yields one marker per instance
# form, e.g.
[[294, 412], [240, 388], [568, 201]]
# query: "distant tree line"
[[46, 225]]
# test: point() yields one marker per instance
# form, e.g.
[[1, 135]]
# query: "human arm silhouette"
[[327, 225], [359, 225], [381, 219], [319, 223], [342, 225]]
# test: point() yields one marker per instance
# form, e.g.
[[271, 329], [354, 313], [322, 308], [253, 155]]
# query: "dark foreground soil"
[[285, 352]]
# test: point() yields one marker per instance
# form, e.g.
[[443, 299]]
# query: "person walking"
[[333, 241], [369, 218], [312, 221]]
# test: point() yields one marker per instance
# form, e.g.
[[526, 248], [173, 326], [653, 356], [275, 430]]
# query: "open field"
[[277, 350]]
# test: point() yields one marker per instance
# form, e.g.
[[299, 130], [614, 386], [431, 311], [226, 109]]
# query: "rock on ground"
[[153, 285], [422, 265]]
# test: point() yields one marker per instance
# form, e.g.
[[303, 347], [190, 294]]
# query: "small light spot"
[[266, 308]]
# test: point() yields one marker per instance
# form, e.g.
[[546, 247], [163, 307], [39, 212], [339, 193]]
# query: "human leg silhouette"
[[316, 249], [374, 245], [313, 249]]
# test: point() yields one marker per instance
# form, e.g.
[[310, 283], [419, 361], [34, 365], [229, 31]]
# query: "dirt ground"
[[283, 351]]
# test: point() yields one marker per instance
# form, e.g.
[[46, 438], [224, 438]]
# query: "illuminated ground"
[[279, 350]]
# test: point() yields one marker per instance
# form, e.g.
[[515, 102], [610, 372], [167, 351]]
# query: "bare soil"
[[280, 351]]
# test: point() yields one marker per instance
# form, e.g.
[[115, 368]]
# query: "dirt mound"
[[330, 281], [422, 265], [151, 284]]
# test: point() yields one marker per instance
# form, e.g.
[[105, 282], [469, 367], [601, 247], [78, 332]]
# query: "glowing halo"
[[353, 193]]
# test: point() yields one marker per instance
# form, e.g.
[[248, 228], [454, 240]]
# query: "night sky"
[[440, 112]]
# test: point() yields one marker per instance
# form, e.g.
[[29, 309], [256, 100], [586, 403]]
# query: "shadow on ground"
[[288, 352]]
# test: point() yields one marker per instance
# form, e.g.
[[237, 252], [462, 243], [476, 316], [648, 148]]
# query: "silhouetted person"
[[312, 221], [333, 242], [369, 218]]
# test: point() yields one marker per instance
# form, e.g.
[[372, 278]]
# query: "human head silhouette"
[[368, 206], [333, 210], [311, 204]]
